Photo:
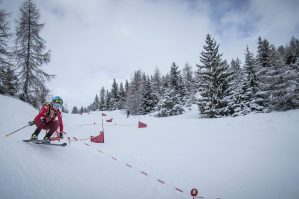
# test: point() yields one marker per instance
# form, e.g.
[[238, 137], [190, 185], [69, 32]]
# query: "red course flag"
[[141, 125], [99, 138]]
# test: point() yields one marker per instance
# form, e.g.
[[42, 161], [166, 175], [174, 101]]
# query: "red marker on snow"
[[194, 192]]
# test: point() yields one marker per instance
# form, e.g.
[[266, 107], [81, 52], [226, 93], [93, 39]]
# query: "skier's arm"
[[41, 114], [60, 122]]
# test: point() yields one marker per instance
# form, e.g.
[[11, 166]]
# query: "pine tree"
[[7, 76], [292, 52], [291, 75], [165, 83], [96, 104], [274, 77], [188, 81], [81, 110], [29, 52], [75, 110], [9, 82], [126, 87], [215, 83], [284, 87], [241, 96], [176, 82], [122, 97], [102, 106], [264, 77], [250, 69], [157, 82], [114, 96], [169, 104], [134, 96], [4, 36], [108, 103], [149, 99]]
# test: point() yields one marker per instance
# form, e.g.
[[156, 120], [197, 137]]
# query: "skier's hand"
[[31, 123], [61, 135]]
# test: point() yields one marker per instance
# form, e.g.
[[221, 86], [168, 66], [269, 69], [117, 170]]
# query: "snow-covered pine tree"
[[290, 76], [176, 82], [215, 82], [157, 82], [126, 87], [241, 103], [275, 78], [251, 70], [122, 97], [29, 52], [4, 36], [265, 80], [114, 96], [165, 83], [96, 103], [9, 81], [291, 54], [169, 104], [7, 76], [81, 111], [134, 95], [172, 100], [102, 104], [108, 103], [149, 99], [75, 110], [188, 80], [278, 81]]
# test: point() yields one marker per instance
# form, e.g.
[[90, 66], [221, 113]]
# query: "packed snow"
[[253, 156]]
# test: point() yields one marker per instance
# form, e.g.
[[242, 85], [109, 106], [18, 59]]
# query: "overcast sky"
[[94, 41]]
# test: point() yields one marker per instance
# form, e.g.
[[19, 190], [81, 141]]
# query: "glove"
[[61, 135], [31, 123]]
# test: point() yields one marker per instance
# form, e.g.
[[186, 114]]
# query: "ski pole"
[[16, 131]]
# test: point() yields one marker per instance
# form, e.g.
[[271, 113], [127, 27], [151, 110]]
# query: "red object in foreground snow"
[[99, 138], [194, 192], [141, 125]]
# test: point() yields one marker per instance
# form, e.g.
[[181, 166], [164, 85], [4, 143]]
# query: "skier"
[[46, 119]]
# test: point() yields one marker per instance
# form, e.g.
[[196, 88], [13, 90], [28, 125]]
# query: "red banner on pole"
[[141, 125], [99, 138]]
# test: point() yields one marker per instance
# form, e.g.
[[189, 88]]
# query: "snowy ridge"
[[254, 156]]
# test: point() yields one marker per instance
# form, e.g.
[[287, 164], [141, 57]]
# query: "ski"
[[45, 143]]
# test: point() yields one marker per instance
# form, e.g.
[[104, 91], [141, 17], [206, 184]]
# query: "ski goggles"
[[57, 105], [58, 101]]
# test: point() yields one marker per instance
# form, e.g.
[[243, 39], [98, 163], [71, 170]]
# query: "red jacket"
[[50, 116]]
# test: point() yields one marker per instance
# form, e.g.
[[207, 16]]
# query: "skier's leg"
[[53, 125], [39, 126]]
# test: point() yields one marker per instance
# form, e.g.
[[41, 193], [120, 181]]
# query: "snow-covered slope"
[[254, 156]]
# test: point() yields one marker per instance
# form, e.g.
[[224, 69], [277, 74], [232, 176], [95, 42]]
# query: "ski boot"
[[33, 137]]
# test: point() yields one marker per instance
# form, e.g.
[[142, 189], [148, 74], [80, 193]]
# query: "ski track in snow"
[[254, 156]]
